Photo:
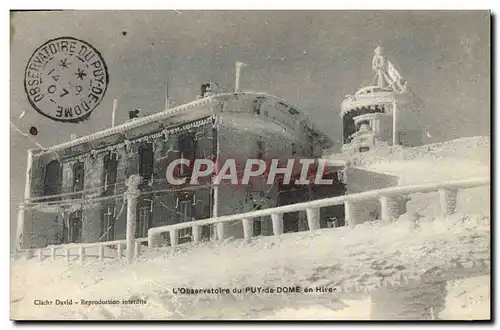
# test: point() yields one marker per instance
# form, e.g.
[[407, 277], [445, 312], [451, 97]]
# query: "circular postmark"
[[66, 79]]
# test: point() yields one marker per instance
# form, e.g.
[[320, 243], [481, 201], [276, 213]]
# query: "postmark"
[[66, 79]]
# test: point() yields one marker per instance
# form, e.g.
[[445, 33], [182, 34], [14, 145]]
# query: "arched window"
[[52, 180]]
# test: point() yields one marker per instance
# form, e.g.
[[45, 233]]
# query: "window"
[[186, 213], [78, 177], [108, 224], [260, 149], [146, 159], [110, 168], [144, 218], [187, 148], [52, 180], [364, 149]]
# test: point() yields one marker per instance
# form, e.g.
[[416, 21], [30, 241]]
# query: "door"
[[75, 227]]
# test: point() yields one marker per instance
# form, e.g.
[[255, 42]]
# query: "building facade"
[[75, 190]]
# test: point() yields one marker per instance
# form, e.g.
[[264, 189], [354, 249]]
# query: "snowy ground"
[[349, 261]]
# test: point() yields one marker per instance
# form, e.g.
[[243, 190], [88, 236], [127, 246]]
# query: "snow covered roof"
[[167, 117], [461, 158]]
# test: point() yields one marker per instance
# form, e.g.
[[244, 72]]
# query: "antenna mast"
[[113, 114], [166, 96], [239, 65]]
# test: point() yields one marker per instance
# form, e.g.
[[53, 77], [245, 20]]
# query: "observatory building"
[[75, 190]]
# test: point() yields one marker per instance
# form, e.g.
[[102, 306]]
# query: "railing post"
[[277, 219], [389, 209], [119, 250], [137, 250], [132, 193], [53, 252], [68, 255], [40, 254], [247, 228], [350, 213], [174, 239], [101, 252], [447, 201], [29, 254], [151, 239], [196, 230], [81, 253], [221, 230], [313, 218]]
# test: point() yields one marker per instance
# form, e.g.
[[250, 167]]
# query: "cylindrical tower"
[[385, 112]]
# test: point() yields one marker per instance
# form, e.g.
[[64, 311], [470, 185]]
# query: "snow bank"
[[451, 160], [337, 258]]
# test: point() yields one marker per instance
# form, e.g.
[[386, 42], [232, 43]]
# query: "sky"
[[312, 59]]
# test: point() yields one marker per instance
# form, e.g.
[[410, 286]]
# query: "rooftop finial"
[[378, 64]]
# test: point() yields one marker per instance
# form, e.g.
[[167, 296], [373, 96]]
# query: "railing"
[[388, 198], [81, 248], [447, 200]]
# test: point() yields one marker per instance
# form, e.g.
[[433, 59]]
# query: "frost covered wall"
[[251, 128], [40, 227], [252, 125], [360, 180], [48, 225], [243, 198]]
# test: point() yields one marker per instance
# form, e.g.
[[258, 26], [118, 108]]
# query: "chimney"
[[203, 90]]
